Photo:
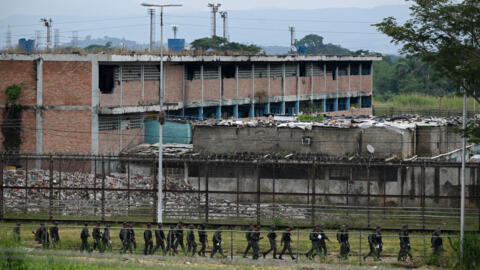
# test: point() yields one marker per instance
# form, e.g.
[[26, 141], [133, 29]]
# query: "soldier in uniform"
[[97, 237], [347, 228], [404, 244], [84, 236], [203, 238], [437, 243], [314, 238], [217, 243], [133, 240], [106, 243], [147, 236], [375, 242], [342, 240], [54, 234], [272, 239], [322, 238], [191, 244], [159, 238], [285, 241], [255, 236], [41, 236], [125, 238], [16, 233], [248, 236], [179, 237], [171, 241]]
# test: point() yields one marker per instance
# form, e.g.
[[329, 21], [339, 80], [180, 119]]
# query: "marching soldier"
[[191, 244], [203, 238], [285, 241], [84, 236], [272, 239], [106, 243], [171, 241], [322, 238], [375, 243], [255, 236], [437, 243], [217, 243], [179, 237], [54, 234], [97, 237], [159, 238], [342, 240], [147, 236], [41, 236], [16, 233], [133, 240], [248, 236], [404, 244], [314, 237], [347, 228], [125, 238]]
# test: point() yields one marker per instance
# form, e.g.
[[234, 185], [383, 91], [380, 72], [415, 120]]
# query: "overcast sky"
[[132, 7]]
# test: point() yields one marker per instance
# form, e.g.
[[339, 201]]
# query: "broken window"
[[332, 69], [366, 66], [354, 69], [106, 81], [228, 71], [303, 69], [342, 69]]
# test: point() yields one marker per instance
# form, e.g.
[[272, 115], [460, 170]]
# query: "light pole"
[[161, 115]]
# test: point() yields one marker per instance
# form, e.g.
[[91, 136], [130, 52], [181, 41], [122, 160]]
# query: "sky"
[[262, 22]]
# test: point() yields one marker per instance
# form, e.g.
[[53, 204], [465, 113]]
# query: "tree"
[[315, 45], [222, 44], [445, 34]]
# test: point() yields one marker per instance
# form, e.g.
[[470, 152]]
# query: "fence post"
[[360, 252], [273, 192], [206, 191], [25, 211], [50, 196], [1, 188], [257, 175], [103, 189], [128, 186], [95, 194], [313, 176], [155, 189], [231, 244], [422, 181], [368, 198], [298, 244], [424, 246], [238, 190], [199, 191]]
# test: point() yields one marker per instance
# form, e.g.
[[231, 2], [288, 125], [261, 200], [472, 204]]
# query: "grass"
[[70, 242]]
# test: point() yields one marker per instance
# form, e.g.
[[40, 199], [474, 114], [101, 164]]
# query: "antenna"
[[9, 37], [214, 23], [224, 16], [48, 24], [291, 28], [151, 12], [74, 38], [56, 39], [175, 29]]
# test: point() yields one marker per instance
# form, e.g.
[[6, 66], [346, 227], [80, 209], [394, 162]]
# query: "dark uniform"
[[217, 244], [322, 244], [375, 243], [285, 241], [179, 237], [147, 236], [125, 238], [133, 240], [342, 240], [202, 237], [16, 233], [54, 234], [272, 239], [84, 236], [171, 241], [97, 237], [191, 244], [42, 237], [255, 236], [404, 245], [347, 227], [437, 243], [159, 239], [106, 243], [315, 239], [248, 236]]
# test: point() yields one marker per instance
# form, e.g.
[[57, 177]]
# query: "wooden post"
[[50, 196], [103, 188], [206, 191], [257, 175]]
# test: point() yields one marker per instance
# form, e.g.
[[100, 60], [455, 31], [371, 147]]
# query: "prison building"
[[99, 103]]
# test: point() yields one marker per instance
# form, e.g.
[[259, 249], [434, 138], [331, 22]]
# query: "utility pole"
[[161, 115], [74, 39], [56, 39], [224, 16], [175, 29], [151, 12], [214, 23], [291, 28], [462, 174], [38, 40], [48, 24], [9, 37]]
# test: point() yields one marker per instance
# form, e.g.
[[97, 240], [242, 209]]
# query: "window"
[[366, 68], [228, 71], [303, 69], [354, 69], [106, 81]]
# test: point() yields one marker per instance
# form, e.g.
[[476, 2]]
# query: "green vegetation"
[[13, 91], [98, 48], [314, 44], [310, 118], [222, 44]]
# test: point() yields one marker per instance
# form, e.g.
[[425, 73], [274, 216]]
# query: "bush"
[[310, 118], [13, 91]]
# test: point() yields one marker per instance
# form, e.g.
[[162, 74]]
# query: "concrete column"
[[349, 86], [324, 105], [361, 77], [298, 81], [325, 76], [252, 106], [200, 113], [203, 88], [297, 107], [267, 107], [142, 78], [282, 107], [347, 103], [121, 84], [335, 105], [219, 107], [371, 78], [235, 107], [38, 112], [311, 84], [184, 97], [360, 101], [93, 109]]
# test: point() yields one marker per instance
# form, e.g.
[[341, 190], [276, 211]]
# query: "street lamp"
[[160, 112]]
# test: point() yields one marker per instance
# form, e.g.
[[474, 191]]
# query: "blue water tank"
[[22, 44], [30, 46], [176, 45], [302, 49]]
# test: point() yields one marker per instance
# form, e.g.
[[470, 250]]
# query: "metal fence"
[[231, 191], [390, 111]]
